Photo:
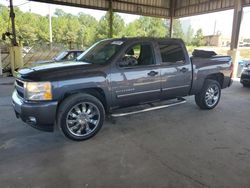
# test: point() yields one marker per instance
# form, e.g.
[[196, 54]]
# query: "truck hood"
[[55, 71], [43, 62]]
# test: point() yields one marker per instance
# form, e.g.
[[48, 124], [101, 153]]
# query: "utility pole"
[[111, 19], [50, 29], [215, 23], [12, 17]]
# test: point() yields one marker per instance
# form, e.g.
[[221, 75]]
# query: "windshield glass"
[[60, 56], [100, 52]]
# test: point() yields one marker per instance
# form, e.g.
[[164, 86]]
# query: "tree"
[[177, 29], [87, 33], [246, 40], [66, 28], [147, 27], [81, 29], [198, 39], [188, 37], [103, 26], [60, 13], [4, 22]]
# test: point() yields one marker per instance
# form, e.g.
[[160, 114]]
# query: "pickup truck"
[[114, 74]]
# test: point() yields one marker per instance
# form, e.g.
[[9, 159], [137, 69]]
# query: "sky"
[[222, 20]]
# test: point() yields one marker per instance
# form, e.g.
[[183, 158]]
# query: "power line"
[[21, 4]]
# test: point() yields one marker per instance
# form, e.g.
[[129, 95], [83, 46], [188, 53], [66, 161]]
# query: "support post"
[[1, 65], [238, 12], [172, 8], [171, 27], [16, 57], [12, 17], [111, 17]]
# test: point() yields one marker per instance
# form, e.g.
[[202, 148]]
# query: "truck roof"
[[145, 39]]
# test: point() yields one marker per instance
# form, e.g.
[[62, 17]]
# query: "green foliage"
[[147, 27], [246, 40], [177, 29], [103, 26], [198, 39], [87, 33], [83, 29], [188, 37], [4, 21], [33, 29]]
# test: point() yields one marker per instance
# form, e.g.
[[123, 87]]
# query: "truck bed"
[[219, 65]]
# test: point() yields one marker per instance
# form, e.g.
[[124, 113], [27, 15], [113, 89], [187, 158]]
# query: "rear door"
[[136, 76], [176, 70]]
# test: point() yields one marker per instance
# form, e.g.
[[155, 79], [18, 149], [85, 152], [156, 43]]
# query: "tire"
[[209, 96], [80, 116], [245, 85]]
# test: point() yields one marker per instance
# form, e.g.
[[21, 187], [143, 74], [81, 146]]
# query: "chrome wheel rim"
[[83, 118], [212, 95]]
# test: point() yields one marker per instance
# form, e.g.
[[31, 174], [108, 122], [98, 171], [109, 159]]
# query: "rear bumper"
[[40, 115]]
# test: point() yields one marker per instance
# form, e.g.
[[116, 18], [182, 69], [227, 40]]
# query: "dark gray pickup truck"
[[114, 74]]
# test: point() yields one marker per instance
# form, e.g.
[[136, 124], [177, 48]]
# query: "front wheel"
[[209, 96], [80, 116]]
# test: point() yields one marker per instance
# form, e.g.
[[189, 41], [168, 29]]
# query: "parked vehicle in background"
[[245, 75], [114, 74], [68, 55], [241, 64]]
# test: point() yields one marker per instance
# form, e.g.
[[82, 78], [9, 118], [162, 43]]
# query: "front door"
[[136, 78]]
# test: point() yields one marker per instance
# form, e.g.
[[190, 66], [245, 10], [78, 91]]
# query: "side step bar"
[[179, 101]]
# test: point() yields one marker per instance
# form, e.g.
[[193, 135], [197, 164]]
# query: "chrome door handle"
[[152, 73], [184, 69]]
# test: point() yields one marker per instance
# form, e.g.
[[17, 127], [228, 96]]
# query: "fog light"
[[32, 120]]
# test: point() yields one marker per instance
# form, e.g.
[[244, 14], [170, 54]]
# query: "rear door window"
[[172, 54]]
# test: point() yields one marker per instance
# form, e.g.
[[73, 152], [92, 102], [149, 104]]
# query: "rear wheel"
[[80, 116], [209, 96]]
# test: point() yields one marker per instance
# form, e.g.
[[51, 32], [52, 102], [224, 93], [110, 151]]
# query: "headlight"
[[38, 91], [245, 68]]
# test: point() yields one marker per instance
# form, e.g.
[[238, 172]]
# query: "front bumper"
[[40, 115], [245, 78]]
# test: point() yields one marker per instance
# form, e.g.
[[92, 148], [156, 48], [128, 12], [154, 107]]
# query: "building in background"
[[217, 40]]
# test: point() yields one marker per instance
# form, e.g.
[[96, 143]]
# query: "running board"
[[178, 102]]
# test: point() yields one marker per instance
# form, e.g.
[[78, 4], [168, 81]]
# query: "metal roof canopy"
[[155, 8]]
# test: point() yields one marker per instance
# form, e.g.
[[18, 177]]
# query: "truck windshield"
[[101, 52]]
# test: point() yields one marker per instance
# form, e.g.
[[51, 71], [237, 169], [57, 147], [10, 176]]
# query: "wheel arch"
[[219, 77], [94, 91]]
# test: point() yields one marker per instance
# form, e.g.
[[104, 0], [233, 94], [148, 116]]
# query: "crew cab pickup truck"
[[114, 74]]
